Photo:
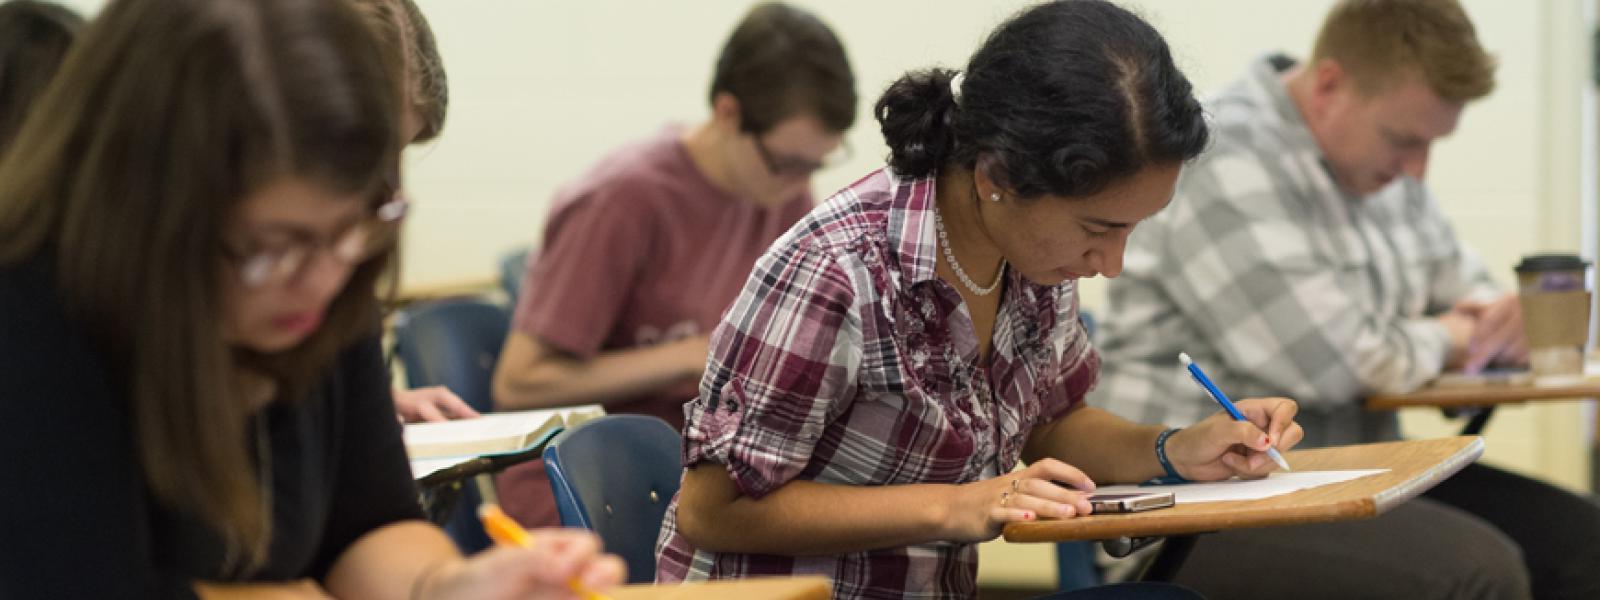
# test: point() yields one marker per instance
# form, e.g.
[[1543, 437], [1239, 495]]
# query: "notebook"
[[493, 433]]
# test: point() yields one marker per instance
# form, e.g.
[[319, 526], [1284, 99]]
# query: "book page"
[[491, 433], [424, 467], [1275, 484]]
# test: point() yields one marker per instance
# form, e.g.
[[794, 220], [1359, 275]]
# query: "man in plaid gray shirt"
[[1279, 280], [1302, 256]]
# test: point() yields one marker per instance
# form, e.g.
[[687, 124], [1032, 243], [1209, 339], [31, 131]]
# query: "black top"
[[76, 519]]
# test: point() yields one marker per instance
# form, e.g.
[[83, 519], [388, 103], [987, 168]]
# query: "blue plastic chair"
[[512, 267], [455, 343], [615, 475]]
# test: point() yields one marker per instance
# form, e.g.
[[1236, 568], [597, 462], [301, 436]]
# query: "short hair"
[[401, 26], [1380, 41], [782, 61]]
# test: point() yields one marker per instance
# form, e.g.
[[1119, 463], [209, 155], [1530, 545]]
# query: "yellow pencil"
[[505, 531]]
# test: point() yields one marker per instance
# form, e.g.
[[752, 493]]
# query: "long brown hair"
[[164, 116], [34, 36]]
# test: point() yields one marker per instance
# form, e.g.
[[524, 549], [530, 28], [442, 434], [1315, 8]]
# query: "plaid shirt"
[[1279, 283], [846, 360]]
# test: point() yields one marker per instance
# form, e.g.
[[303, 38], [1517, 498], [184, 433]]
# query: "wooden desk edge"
[[1226, 515], [1397, 495], [1483, 396]]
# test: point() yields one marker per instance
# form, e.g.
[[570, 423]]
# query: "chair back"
[[455, 343], [615, 475], [512, 268]]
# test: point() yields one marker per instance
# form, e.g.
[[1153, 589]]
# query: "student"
[[196, 405], [1304, 255], [34, 36], [401, 26], [898, 351], [643, 253]]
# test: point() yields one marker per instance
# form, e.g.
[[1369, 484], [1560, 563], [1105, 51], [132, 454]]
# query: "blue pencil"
[[1227, 405]]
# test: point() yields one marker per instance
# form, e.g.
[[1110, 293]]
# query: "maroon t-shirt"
[[642, 250]]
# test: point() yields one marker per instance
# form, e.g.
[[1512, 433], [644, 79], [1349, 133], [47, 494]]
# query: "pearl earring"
[[994, 196]]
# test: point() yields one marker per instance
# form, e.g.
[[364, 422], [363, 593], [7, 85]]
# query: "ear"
[[986, 186], [1328, 81], [726, 111]]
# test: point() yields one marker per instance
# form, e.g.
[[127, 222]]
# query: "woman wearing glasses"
[[195, 403], [897, 352], [643, 253]]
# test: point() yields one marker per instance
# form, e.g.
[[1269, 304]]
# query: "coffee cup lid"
[[1551, 262]]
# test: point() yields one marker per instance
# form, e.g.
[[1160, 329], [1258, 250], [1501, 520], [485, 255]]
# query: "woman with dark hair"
[[897, 352], [34, 37], [189, 250]]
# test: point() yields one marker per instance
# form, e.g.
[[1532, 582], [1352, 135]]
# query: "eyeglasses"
[[797, 167], [372, 235]]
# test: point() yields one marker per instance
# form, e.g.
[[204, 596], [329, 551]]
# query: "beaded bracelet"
[[1161, 455]]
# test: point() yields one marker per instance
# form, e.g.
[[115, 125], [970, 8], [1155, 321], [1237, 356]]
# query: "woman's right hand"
[[544, 570], [979, 510]]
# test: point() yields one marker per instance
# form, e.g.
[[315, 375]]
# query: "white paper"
[[1275, 484], [427, 466]]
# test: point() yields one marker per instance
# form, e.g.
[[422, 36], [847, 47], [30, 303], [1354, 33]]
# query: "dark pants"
[[1557, 531], [1484, 533]]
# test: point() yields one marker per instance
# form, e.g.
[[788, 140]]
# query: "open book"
[[493, 433]]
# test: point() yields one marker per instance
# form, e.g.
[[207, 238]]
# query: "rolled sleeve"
[[783, 366]]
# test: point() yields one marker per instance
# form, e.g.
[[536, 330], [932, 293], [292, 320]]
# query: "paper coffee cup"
[[1555, 311]]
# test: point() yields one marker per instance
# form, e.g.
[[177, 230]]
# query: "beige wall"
[[540, 89]]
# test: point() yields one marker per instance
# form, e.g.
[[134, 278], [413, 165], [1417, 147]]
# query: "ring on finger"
[[1005, 499], [1015, 483]]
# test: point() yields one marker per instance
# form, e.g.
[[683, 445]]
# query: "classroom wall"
[[539, 90]]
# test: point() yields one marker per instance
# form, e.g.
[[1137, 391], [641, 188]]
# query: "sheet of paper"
[[424, 467], [1275, 484]]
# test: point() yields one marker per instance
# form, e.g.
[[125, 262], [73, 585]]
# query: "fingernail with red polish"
[[1028, 515]]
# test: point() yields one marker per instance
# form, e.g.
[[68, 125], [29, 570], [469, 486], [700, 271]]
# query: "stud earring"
[[994, 197]]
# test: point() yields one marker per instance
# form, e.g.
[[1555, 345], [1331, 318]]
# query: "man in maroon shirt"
[[644, 252]]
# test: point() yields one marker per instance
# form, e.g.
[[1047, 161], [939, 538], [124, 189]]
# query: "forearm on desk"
[[532, 375], [1107, 448], [806, 518], [390, 562]]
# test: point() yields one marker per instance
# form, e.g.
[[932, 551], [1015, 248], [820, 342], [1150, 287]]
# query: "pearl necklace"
[[944, 242]]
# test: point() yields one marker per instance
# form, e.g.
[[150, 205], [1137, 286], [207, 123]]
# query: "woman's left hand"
[[1220, 447]]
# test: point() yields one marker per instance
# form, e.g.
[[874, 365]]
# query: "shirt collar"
[[911, 227]]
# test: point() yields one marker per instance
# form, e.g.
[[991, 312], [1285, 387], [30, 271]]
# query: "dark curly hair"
[[1062, 99]]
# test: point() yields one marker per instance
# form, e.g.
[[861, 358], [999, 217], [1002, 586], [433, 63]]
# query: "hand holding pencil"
[[546, 564], [1243, 439]]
